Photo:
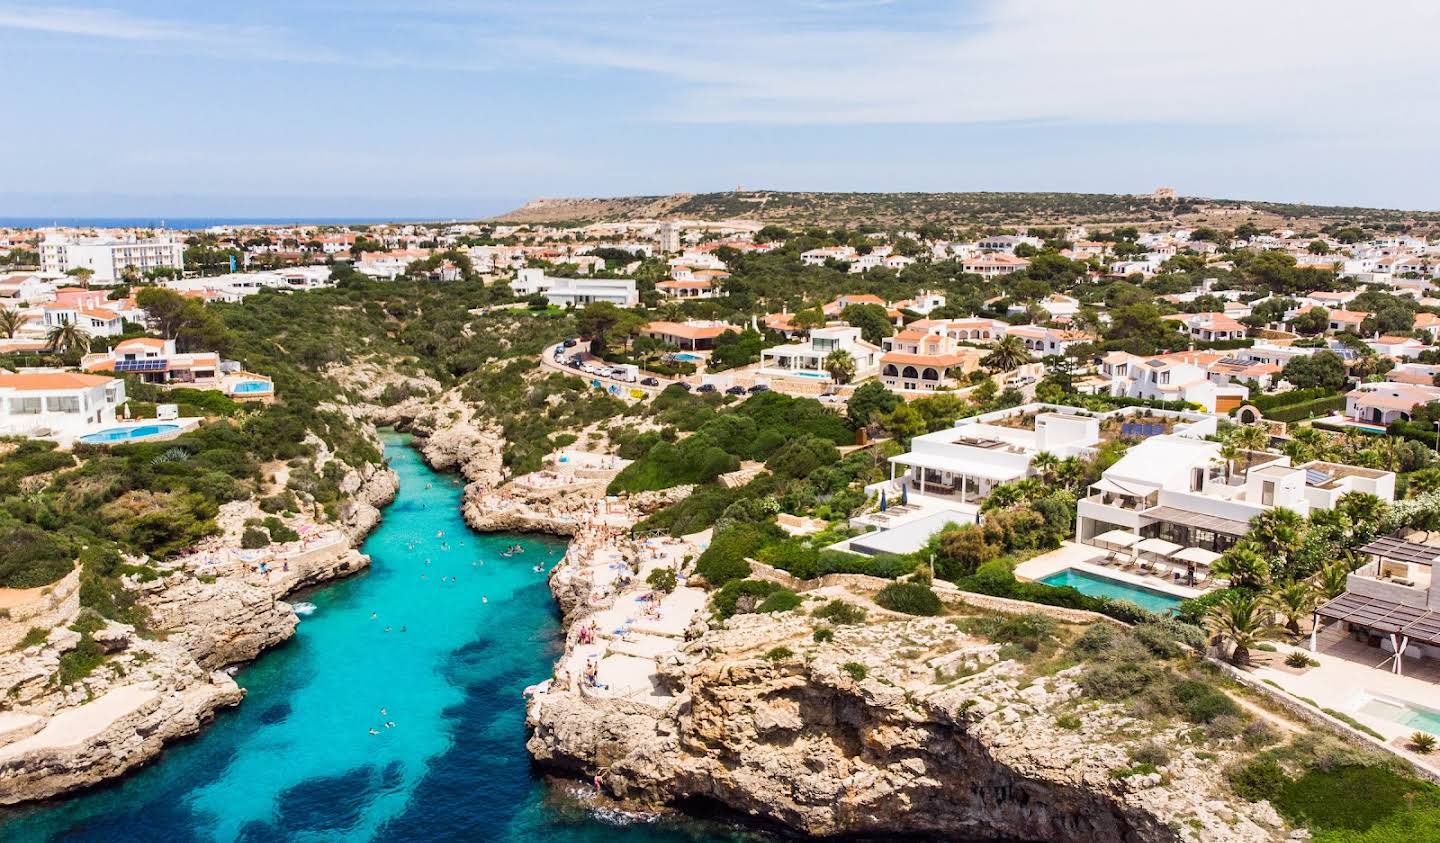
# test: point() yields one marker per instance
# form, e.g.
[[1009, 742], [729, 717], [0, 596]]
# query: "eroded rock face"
[[148, 691], [799, 740]]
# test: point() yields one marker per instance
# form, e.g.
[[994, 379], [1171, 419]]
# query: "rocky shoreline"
[[215, 608]]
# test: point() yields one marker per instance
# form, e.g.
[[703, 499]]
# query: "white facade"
[[576, 292], [57, 403], [109, 257], [807, 359]]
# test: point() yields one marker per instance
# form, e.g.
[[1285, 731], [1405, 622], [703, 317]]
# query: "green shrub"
[[31, 557], [254, 538], [779, 601], [824, 635], [1257, 779], [1069, 722], [1201, 703], [1421, 742], [1353, 723], [278, 531], [1149, 753], [1298, 659], [35, 637], [725, 559], [776, 654], [1030, 632], [909, 598], [662, 580], [1376, 801], [741, 597], [854, 670], [80, 662], [840, 612]]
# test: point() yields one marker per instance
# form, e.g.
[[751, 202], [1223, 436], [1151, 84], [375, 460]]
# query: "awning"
[[1119, 538], [1402, 551], [1114, 488], [969, 468], [1213, 523], [1159, 547], [1387, 616], [1198, 555]]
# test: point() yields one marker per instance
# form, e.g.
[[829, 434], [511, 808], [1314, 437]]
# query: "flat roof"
[[953, 465], [908, 537]]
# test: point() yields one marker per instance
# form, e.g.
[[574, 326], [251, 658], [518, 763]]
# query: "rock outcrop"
[[899, 726], [214, 612]]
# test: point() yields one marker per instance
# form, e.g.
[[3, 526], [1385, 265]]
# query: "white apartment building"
[[109, 257], [807, 359], [1169, 377], [55, 403]]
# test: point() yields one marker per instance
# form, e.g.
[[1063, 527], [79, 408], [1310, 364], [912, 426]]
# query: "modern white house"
[[576, 292], [807, 359], [95, 321], [1170, 377], [109, 257], [56, 403], [1178, 488]]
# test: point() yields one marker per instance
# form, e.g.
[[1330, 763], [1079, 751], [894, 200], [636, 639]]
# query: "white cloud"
[[1279, 62]]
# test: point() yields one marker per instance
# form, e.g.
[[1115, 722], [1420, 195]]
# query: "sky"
[[465, 108]]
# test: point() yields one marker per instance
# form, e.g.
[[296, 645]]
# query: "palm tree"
[[1071, 472], [1293, 602], [1008, 353], [841, 365], [1250, 437], [11, 321], [1045, 464], [1278, 532], [1333, 579], [1242, 618], [1367, 514], [68, 339], [1244, 565]]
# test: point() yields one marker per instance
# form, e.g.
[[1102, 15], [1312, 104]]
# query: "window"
[[25, 406], [1267, 493], [62, 404]]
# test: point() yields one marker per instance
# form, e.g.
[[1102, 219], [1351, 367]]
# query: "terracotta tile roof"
[[50, 380], [901, 358], [689, 332]]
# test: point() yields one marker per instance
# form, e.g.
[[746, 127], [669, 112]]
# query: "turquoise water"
[[245, 387], [688, 357], [128, 434], [296, 761], [1096, 586], [1406, 715]]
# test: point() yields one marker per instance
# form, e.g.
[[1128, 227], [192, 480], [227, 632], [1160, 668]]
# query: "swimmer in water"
[[373, 731], [374, 615], [387, 629], [484, 599]]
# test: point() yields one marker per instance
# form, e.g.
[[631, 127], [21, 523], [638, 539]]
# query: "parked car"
[[683, 385], [706, 387], [759, 387], [735, 390], [650, 382], [570, 343]]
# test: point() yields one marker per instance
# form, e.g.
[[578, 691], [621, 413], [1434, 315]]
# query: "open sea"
[[443, 661], [194, 223]]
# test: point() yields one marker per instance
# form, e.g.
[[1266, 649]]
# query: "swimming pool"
[[1406, 714], [799, 373], [1098, 586], [688, 357], [248, 387], [128, 434]]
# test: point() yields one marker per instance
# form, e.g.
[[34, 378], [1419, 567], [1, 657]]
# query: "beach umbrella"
[[904, 495], [884, 504]]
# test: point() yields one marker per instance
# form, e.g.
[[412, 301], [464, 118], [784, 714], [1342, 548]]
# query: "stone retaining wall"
[[865, 582], [55, 607]]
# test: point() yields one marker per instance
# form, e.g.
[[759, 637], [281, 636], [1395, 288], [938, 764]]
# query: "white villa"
[[923, 357], [807, 359], [1177, 487], [576, 292], [54, 403], [156, 361]]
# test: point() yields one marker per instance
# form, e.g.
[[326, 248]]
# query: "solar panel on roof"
[[1315, 477]]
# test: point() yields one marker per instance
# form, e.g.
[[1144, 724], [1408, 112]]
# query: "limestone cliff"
[[899, 726], [213, 608]]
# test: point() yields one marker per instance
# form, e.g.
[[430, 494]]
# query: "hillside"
[[947, 208]]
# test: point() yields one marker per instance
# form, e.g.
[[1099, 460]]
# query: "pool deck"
[[1083, 557], [1349, 675], [184, 425]]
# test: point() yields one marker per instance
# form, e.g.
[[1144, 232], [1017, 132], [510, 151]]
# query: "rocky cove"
[[897, 725], [215, 608]]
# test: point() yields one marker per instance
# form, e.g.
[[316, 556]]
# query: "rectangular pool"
[[1406, 714], [1097, 586]]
